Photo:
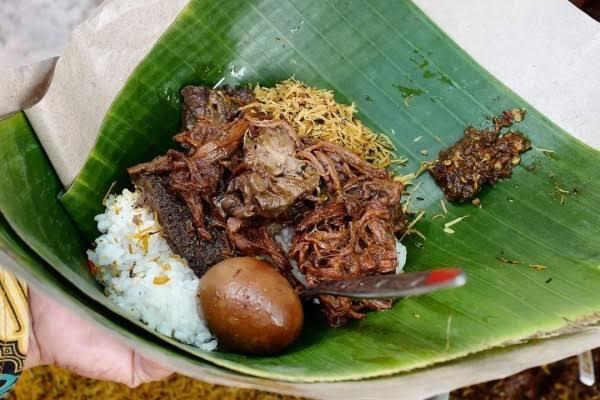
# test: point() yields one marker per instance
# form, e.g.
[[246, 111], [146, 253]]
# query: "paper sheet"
[[103, 51], [21, 87]]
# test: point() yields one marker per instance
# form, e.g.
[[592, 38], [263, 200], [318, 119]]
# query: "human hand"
[[60, 337]]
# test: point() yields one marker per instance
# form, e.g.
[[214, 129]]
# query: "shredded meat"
[[243, 172], [201, 103], [213, 133], [352, 234], [214, 140], [479, 157], [256, 240], [195, 176]]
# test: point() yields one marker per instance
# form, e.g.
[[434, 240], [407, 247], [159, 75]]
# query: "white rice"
[[145, 278], [149, 283], [401, 256], [284, 238]]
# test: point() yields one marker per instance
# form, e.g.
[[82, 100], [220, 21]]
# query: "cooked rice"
[[143, 276]]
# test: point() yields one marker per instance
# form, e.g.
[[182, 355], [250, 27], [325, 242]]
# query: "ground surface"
[[52, 383], [559, 381]]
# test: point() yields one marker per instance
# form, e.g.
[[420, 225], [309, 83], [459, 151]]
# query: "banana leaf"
[[408, 80]]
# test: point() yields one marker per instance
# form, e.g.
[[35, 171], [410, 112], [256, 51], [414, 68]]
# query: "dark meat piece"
[[201, 103], [366, 193], [206, 111], [479, 157], [177, 222], [179, 186], [590, 7], [329, 244], [352, 234], [295, 214], [271, 178], [339, 310]]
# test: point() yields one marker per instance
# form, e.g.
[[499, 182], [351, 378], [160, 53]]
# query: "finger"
[[145, 370]]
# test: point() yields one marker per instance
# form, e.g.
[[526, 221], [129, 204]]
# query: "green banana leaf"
[[408, 80]]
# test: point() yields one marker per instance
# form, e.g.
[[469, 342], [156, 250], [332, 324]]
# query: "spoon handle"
[[391, 286]]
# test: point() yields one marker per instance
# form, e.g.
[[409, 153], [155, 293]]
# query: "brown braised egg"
[[250, 307]]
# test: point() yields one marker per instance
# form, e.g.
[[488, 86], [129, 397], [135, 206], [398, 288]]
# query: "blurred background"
[[33, 30]]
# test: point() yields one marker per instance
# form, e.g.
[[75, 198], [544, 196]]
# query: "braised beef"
[[201, 103], [255, 239], [352, 233], [190, 178]]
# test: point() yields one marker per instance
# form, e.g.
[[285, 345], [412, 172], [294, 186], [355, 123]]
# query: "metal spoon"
[[391, 286]]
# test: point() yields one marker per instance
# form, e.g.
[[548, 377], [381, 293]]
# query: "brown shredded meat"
[[352, 233], [246, 173], [255, 239], [479, 158]]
